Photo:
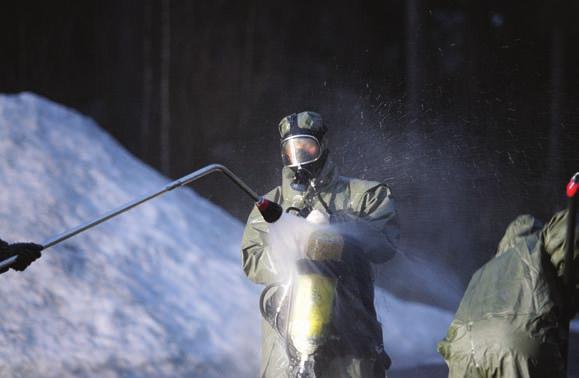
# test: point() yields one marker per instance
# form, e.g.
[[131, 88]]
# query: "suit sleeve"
[[255, 250], [554, 242], [378, 227]]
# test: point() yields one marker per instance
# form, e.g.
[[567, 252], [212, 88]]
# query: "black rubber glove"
[[4, 254], [27, 253]]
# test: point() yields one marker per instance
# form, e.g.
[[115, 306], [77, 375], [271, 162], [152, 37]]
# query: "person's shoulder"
[[362, 186]]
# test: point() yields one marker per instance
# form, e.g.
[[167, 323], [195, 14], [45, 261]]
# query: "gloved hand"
[[317, 217], [26, 252], [325, 244], [4, 254]]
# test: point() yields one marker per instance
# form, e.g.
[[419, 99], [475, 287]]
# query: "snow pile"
[[155, 292]]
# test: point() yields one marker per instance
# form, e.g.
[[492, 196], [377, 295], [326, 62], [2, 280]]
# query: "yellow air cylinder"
[[314, 293]]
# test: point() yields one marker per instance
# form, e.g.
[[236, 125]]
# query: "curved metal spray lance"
[[270, 211]]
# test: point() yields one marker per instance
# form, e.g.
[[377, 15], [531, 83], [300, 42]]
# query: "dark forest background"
[[468, 109]]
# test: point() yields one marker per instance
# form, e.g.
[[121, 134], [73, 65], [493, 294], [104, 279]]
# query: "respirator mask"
[[305, 156]]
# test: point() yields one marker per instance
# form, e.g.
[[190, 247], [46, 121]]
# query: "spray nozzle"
[[573, 185], [270, 211]]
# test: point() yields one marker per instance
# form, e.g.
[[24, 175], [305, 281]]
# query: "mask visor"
[[299, 150]]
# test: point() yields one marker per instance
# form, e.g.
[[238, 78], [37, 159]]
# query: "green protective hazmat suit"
[[509, 322], [372, 206]]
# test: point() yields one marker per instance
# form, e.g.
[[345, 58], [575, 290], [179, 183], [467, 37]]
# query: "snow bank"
[[156, 292]]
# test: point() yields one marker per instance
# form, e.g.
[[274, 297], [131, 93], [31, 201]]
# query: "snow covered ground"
[[156, 292]]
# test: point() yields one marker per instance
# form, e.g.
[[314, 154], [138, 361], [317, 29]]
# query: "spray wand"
[[270, 210]]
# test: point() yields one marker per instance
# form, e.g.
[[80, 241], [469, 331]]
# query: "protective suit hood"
[[522, 231]]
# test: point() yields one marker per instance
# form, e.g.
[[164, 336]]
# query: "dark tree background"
[[467, 108]]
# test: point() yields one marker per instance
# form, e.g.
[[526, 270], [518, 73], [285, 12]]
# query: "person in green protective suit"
[[509, 322], [311, 183]]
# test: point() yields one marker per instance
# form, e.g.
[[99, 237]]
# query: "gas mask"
[[305, 156]]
